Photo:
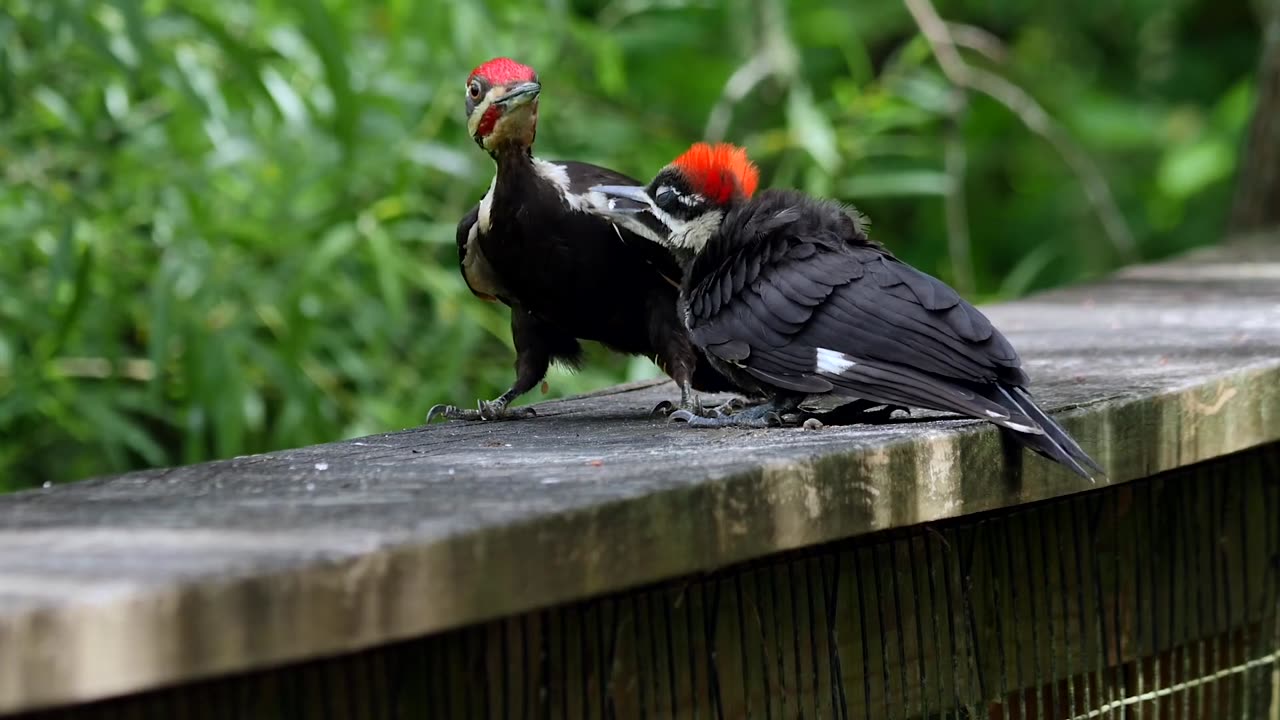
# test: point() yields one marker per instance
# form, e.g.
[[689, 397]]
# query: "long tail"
[[1054, 443], [1008, 406]]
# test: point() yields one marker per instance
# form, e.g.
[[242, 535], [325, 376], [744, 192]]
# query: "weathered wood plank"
[[1078, 604], [122, 584]]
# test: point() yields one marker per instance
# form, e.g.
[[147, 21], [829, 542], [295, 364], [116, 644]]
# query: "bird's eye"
[[473, 89], [665, 195]]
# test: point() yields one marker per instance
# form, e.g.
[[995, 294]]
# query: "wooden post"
[[1257, 201]]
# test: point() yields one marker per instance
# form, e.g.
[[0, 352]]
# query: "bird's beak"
[[625, 199], [519, 95]]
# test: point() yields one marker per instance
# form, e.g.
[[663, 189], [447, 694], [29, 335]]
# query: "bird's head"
[[690, 196], [502, 104]]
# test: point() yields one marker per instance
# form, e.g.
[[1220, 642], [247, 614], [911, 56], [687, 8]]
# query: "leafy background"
[[227, 227]]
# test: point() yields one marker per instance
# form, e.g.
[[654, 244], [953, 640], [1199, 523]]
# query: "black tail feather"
[[1055, 443], [1006, 405]]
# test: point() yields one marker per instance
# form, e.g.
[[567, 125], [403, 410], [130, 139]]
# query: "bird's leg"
[[495, 409], [689, 401], [766, 414], [536, 343], [852, 413], [677, 357]]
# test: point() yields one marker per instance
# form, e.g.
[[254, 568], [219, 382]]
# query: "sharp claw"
[[484, 411], [441, 410], [759, 418], [681, 415], [662, 409], [858, 412]]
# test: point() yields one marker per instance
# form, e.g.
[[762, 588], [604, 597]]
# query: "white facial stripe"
[[473, 122], [694, 234], [629, 222], [689, 200], [516, 124], [833, 362], [689, 234], [674, 224]]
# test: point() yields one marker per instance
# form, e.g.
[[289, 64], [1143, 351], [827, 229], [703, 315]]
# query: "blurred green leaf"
[[1189, 169], [229, 227], [1023, 275], [811, 129], [896, 183], [322, 30]]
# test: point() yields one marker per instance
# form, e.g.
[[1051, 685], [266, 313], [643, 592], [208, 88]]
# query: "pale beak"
[[519, 95], [625, 199]]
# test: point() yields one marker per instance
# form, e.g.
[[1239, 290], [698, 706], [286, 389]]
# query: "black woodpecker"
[[566, 274], [787, 295]]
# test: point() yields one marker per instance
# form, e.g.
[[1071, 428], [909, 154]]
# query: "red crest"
[[717, 171], [504, 71]]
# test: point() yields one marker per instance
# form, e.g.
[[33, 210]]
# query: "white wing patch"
[[559, 177], [1003, 419], [833, 362], [486, 207], [1019, 427]]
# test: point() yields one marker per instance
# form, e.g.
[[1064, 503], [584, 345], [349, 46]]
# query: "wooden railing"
[[595, 561]]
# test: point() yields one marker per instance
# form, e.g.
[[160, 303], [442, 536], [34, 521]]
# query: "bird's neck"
[[512, 155], [515, 173]]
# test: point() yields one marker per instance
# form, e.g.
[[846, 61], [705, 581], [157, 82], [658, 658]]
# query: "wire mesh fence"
[[1156, 599]]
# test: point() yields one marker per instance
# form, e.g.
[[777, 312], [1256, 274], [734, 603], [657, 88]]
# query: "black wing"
[[642, 231], [819, 314], [584, 176]]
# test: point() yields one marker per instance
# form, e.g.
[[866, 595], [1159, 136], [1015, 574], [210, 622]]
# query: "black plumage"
[[788, 296], [566, 274]]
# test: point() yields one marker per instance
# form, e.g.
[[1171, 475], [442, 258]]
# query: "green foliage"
[[228, 227]]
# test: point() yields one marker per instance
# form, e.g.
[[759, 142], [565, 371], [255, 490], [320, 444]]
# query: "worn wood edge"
[[138, 639]]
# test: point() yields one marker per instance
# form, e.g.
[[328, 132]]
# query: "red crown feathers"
[[501, 71], [716, 171]]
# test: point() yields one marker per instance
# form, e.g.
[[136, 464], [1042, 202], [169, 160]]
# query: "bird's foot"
[[729, 407], [691, 405], [858, 412], [485, 410], [759, 416]]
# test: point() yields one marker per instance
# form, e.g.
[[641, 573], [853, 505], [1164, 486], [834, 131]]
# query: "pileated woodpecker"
[[786, 294], [565, 273]]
